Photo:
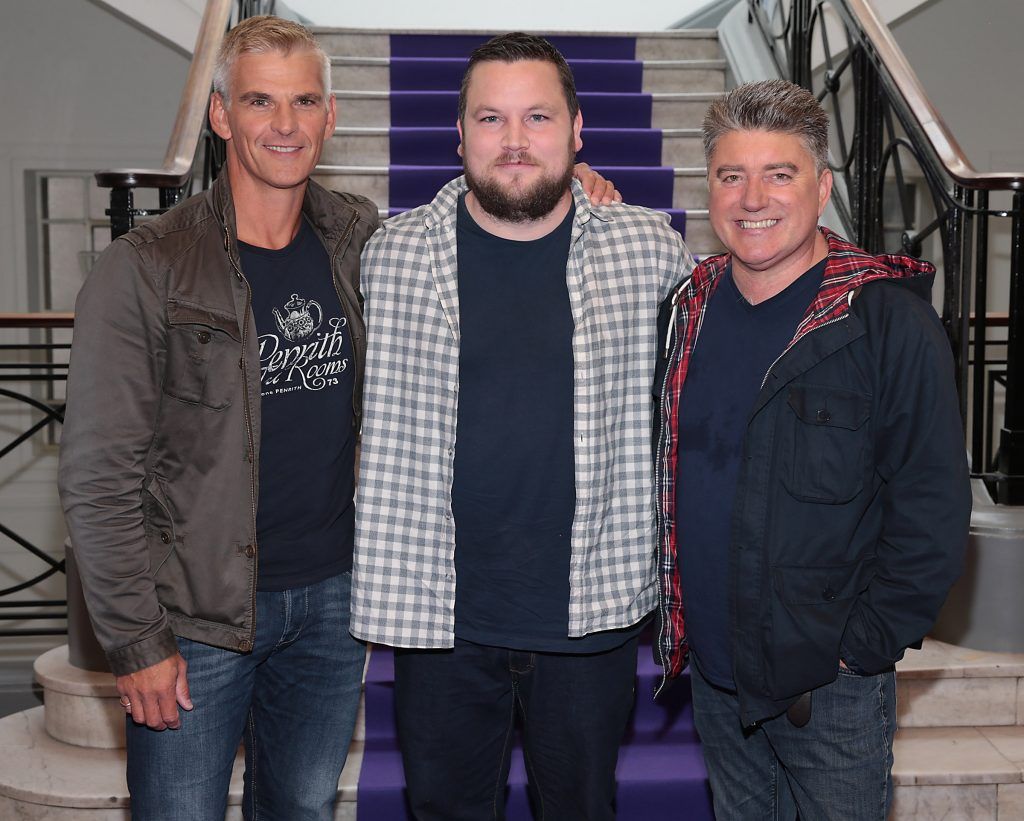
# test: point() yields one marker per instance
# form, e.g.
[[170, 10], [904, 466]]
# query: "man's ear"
[[577, 127], [219, 116], [824, 189], [332, 117], [458, 127]]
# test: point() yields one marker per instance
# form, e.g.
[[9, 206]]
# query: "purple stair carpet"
[[618, 140], [660, 773], [601, 109], [460, 45], [444, 73]]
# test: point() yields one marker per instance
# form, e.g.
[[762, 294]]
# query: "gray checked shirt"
[[623, 261]]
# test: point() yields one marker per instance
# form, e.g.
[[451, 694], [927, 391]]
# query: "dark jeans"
[[456, 713], [294, 698], [837, 766]]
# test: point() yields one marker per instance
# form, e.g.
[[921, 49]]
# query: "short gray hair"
[[265, 34], [769, 105]]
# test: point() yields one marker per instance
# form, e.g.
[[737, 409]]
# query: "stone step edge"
[[657, 64], [939, 660], [666, 34], [657, 96], [383, 170], [384, 131], [65, 761], [958, 756]]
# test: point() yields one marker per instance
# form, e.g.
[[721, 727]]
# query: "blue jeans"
[[457, 711], [837, 766], [293, 698]]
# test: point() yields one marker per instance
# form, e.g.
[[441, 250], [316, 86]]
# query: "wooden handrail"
[[188, 124], [47, 319], [934, 128]]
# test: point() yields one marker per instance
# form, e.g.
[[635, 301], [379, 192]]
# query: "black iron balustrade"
[[31, 365], [894, 124]]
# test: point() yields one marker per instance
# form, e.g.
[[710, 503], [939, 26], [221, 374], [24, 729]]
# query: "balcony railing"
[[885, 129], [28, 372]]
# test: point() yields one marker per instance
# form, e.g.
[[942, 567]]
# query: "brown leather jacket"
[[159, 453]]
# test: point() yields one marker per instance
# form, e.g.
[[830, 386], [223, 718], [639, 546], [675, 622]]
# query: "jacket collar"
[[330, 215], [848, 268]]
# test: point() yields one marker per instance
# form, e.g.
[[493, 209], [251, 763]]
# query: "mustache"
[[523, 157]]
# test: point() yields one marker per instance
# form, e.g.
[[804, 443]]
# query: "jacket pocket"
[[203, 351], [809, 610], [825, 451], [159, 526]]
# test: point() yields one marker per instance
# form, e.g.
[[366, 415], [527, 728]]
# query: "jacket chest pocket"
[[825, 443], [203, 352]]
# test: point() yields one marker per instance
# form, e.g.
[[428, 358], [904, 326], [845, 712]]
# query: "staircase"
[[643, 98], [960, 747]]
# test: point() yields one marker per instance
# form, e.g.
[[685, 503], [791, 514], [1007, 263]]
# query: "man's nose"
[[284, 120], [515, 137], [754, 195]]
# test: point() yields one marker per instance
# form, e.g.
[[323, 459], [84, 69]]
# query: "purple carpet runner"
[[618, 139], [660, 773]]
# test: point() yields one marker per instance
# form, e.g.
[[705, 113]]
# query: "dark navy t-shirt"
[[514, 490], [737, 344], [305, 518]]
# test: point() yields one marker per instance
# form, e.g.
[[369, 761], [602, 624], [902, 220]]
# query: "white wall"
[[81, 89], [605, 15]]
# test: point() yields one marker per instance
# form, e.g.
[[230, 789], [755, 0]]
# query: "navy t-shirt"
[[737, 344], [514, 489], [305, 517]]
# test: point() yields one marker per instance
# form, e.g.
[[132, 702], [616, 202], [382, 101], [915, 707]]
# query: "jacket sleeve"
[[114, 385], [921, 458]]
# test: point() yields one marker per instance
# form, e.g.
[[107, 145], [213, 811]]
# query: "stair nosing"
[[669, 96], [654, 64], [666, 34], [326, 168]]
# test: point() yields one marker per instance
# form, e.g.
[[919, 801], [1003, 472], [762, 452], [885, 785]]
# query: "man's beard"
[[519, 205]]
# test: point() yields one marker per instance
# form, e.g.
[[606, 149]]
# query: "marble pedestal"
[[65, 761]]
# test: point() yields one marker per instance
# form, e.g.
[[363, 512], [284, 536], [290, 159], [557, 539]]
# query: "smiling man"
[[207, 459], [813, 480], [504, 534]]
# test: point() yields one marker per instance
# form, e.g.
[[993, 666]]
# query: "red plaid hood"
[[848, 268]]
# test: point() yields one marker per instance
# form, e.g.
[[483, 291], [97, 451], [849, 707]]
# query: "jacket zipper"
[[248, 428], [806, 334], [672, 339]]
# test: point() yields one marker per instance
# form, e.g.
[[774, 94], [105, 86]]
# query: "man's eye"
[[781, 177], [537, 118], [259, 102], [490, 118], [730, 179], [307, 102]]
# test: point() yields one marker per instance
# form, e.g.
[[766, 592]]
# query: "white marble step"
[[370, 146], [43, 779], [678, 44], [942, 685], [373, 74], [668, 109], [963, 773]]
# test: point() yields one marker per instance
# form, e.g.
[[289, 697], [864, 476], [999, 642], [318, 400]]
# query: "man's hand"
[[152, 695], [597, 188]]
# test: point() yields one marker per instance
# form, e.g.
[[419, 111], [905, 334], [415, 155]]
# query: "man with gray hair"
[[213, 406], [812, 479]]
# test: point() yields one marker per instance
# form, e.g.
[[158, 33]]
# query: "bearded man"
[[505, 529]]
